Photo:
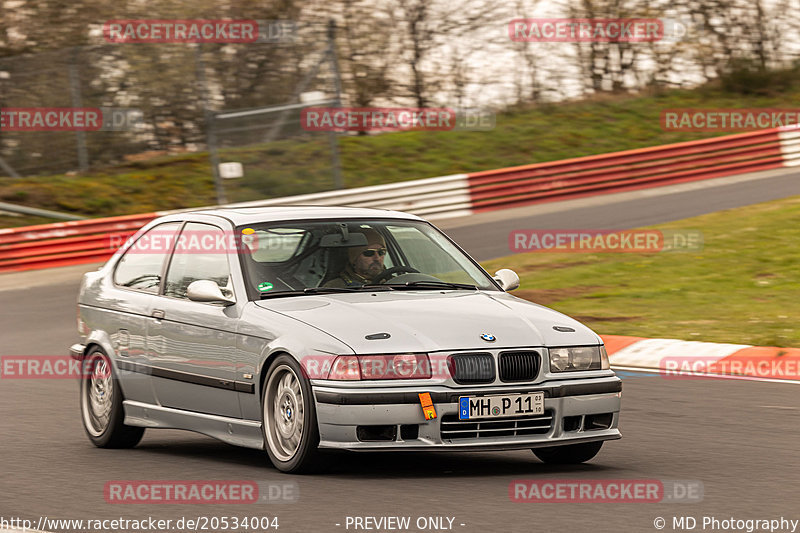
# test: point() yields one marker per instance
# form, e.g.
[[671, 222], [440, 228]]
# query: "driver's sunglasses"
[[369, 252]]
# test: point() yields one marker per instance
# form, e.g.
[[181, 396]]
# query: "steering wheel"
[[389, 272]]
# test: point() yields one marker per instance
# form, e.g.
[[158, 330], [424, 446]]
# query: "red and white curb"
[[674, 358]]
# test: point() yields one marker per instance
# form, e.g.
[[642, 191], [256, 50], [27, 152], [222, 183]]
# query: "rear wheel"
[[289, 420], [101, 405], [570, 454]]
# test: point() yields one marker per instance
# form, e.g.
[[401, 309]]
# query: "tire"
[[289, 418], [101, 404], [571, 454]]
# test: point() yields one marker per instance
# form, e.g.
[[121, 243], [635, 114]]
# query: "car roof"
[[254, 215]]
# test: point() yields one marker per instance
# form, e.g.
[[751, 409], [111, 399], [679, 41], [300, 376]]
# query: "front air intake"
[[471, 368], [519, 366]]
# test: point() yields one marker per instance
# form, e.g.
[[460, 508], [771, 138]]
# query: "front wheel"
[[571, 454], [101, 405], [289, 420]]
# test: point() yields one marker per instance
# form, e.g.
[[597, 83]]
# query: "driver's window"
[[191, 263]]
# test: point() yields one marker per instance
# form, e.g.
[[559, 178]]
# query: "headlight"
[[369, 367], [578, 358]]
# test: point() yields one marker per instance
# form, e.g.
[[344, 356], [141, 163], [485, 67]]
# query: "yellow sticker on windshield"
[[248, 231]]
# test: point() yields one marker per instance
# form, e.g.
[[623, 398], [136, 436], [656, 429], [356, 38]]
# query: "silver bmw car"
[[301, 329]]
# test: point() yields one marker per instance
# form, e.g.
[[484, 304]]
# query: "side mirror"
[[507, 279], [205, 290]]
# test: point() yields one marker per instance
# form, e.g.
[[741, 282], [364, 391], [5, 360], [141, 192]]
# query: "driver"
[[364, 262]]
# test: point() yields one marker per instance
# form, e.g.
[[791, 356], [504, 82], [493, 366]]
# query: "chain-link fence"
[[237, 102], [268, 151]]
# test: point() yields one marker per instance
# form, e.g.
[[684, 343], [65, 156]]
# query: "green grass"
[[287, 167], [11, 221], [742, 287]]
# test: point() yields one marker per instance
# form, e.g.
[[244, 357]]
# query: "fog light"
[[376, 433], [602, 421], [409, 431], [572, 423]]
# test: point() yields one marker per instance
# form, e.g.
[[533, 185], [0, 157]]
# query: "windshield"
[[346, 255]]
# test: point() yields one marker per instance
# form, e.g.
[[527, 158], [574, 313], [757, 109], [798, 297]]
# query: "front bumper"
[[340, 412]]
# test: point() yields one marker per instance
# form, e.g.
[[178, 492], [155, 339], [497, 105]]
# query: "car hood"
[[430, 321]]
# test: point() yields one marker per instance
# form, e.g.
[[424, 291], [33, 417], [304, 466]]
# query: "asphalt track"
[[739, 438]]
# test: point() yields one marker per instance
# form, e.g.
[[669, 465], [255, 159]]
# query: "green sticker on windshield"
[[265, 286]]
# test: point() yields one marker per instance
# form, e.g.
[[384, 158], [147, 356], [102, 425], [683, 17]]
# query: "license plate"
[[481, 407]]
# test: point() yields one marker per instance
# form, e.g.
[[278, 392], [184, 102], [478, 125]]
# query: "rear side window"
[[140, 266]]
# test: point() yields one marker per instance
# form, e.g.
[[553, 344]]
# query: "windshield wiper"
[[377, 286], [430, 284], [313, 290]]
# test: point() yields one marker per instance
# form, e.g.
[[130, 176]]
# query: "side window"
[[140, 266], [191, 263]]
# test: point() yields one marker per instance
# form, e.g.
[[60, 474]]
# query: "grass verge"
[[298, 166], [742, 287]]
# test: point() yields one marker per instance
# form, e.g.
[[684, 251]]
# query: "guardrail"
[[445, 196], [85, 241], [21, 209], [628, 170], [66, 243]]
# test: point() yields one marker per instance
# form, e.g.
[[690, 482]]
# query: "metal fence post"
[[211, 135], [336, 163], [7, 169], [75, 93]]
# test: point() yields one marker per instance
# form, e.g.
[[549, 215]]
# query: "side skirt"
[[234, 431]]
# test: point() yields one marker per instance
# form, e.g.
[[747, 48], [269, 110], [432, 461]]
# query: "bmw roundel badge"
[[488, 338]]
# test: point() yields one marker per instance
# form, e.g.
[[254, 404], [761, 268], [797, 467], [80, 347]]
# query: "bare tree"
[[743, 31], [528, 86], [428, 28], [607, 65], [366, 51]]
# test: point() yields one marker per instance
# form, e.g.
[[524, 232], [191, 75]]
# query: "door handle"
[[158, 314]]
